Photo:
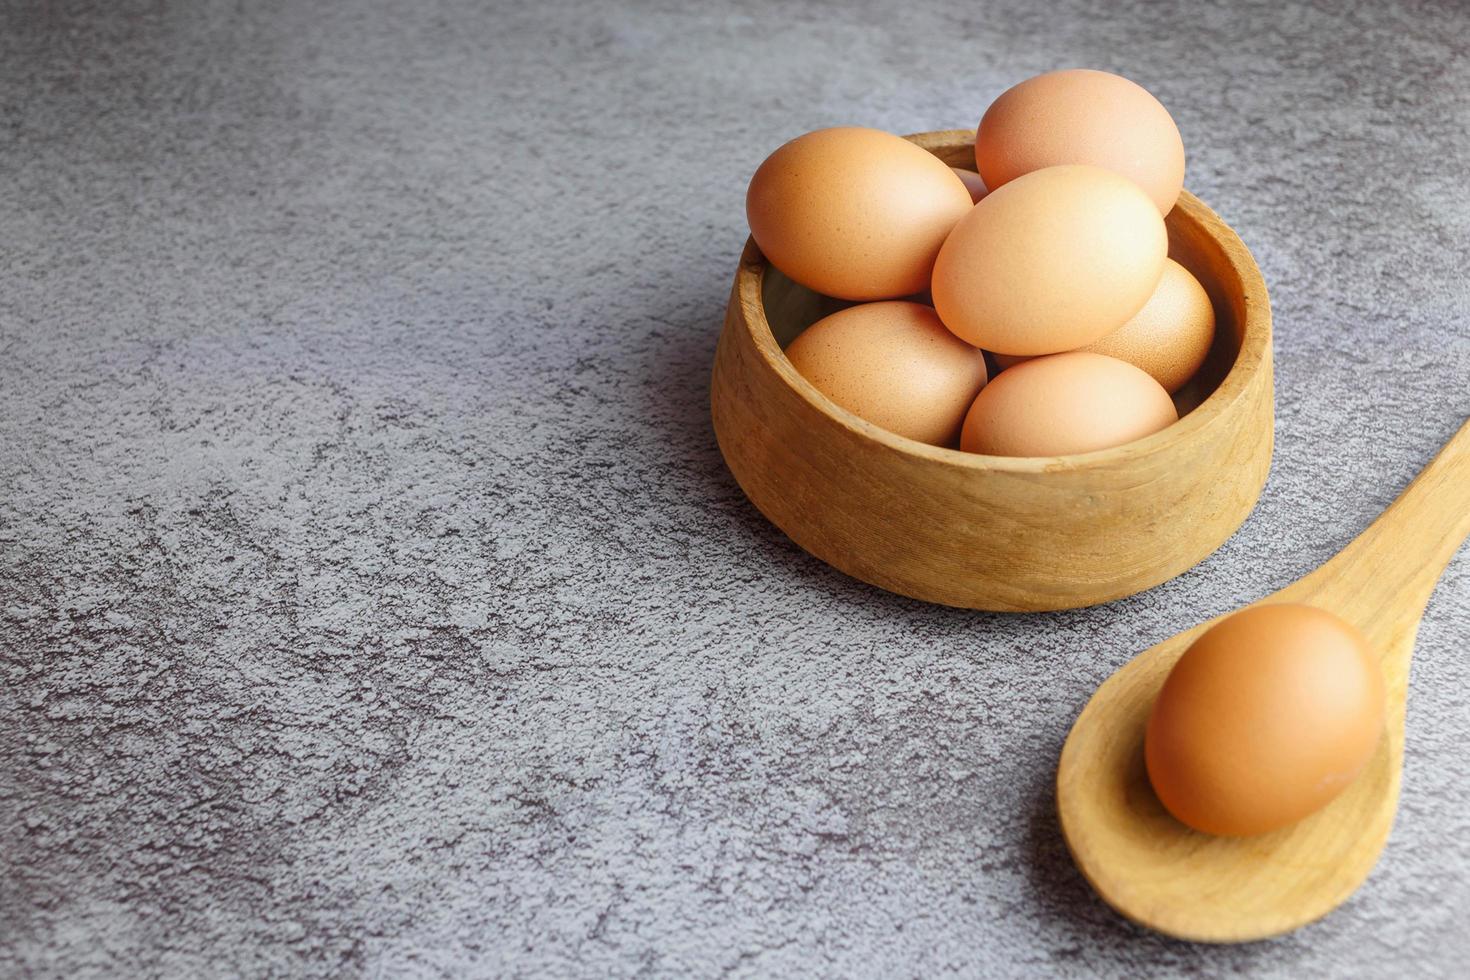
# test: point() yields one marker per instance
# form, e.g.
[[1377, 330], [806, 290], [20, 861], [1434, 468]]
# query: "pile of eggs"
[[1053, 258]]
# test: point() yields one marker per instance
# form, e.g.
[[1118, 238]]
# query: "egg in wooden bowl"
[[1000, 532]]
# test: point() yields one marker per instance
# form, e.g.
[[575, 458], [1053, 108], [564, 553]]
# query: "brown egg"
[[895, 365], [1169, 338], [972, 183], [854, 213], [1065, 403], [1050, 262], [1082, 116], [1267, 717]]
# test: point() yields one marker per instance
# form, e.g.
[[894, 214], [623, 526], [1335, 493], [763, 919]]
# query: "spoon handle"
[[1388, 573]]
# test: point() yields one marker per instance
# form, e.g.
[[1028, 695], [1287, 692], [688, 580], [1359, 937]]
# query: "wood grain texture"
[[990, 532], [1162, 874]]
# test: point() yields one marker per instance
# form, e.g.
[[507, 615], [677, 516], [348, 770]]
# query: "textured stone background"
[[375, 601]]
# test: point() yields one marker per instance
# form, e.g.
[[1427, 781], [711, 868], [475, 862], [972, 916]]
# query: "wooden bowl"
[[994, 532]]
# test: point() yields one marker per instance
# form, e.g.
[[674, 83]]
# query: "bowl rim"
[[1255, 345]]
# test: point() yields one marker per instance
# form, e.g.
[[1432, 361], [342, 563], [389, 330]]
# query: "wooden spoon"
[[1161, 874]]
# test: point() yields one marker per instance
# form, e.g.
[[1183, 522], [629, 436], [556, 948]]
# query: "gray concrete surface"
[[375, 601]]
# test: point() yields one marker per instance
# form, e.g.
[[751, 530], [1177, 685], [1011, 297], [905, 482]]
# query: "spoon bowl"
[[1160, 873]]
